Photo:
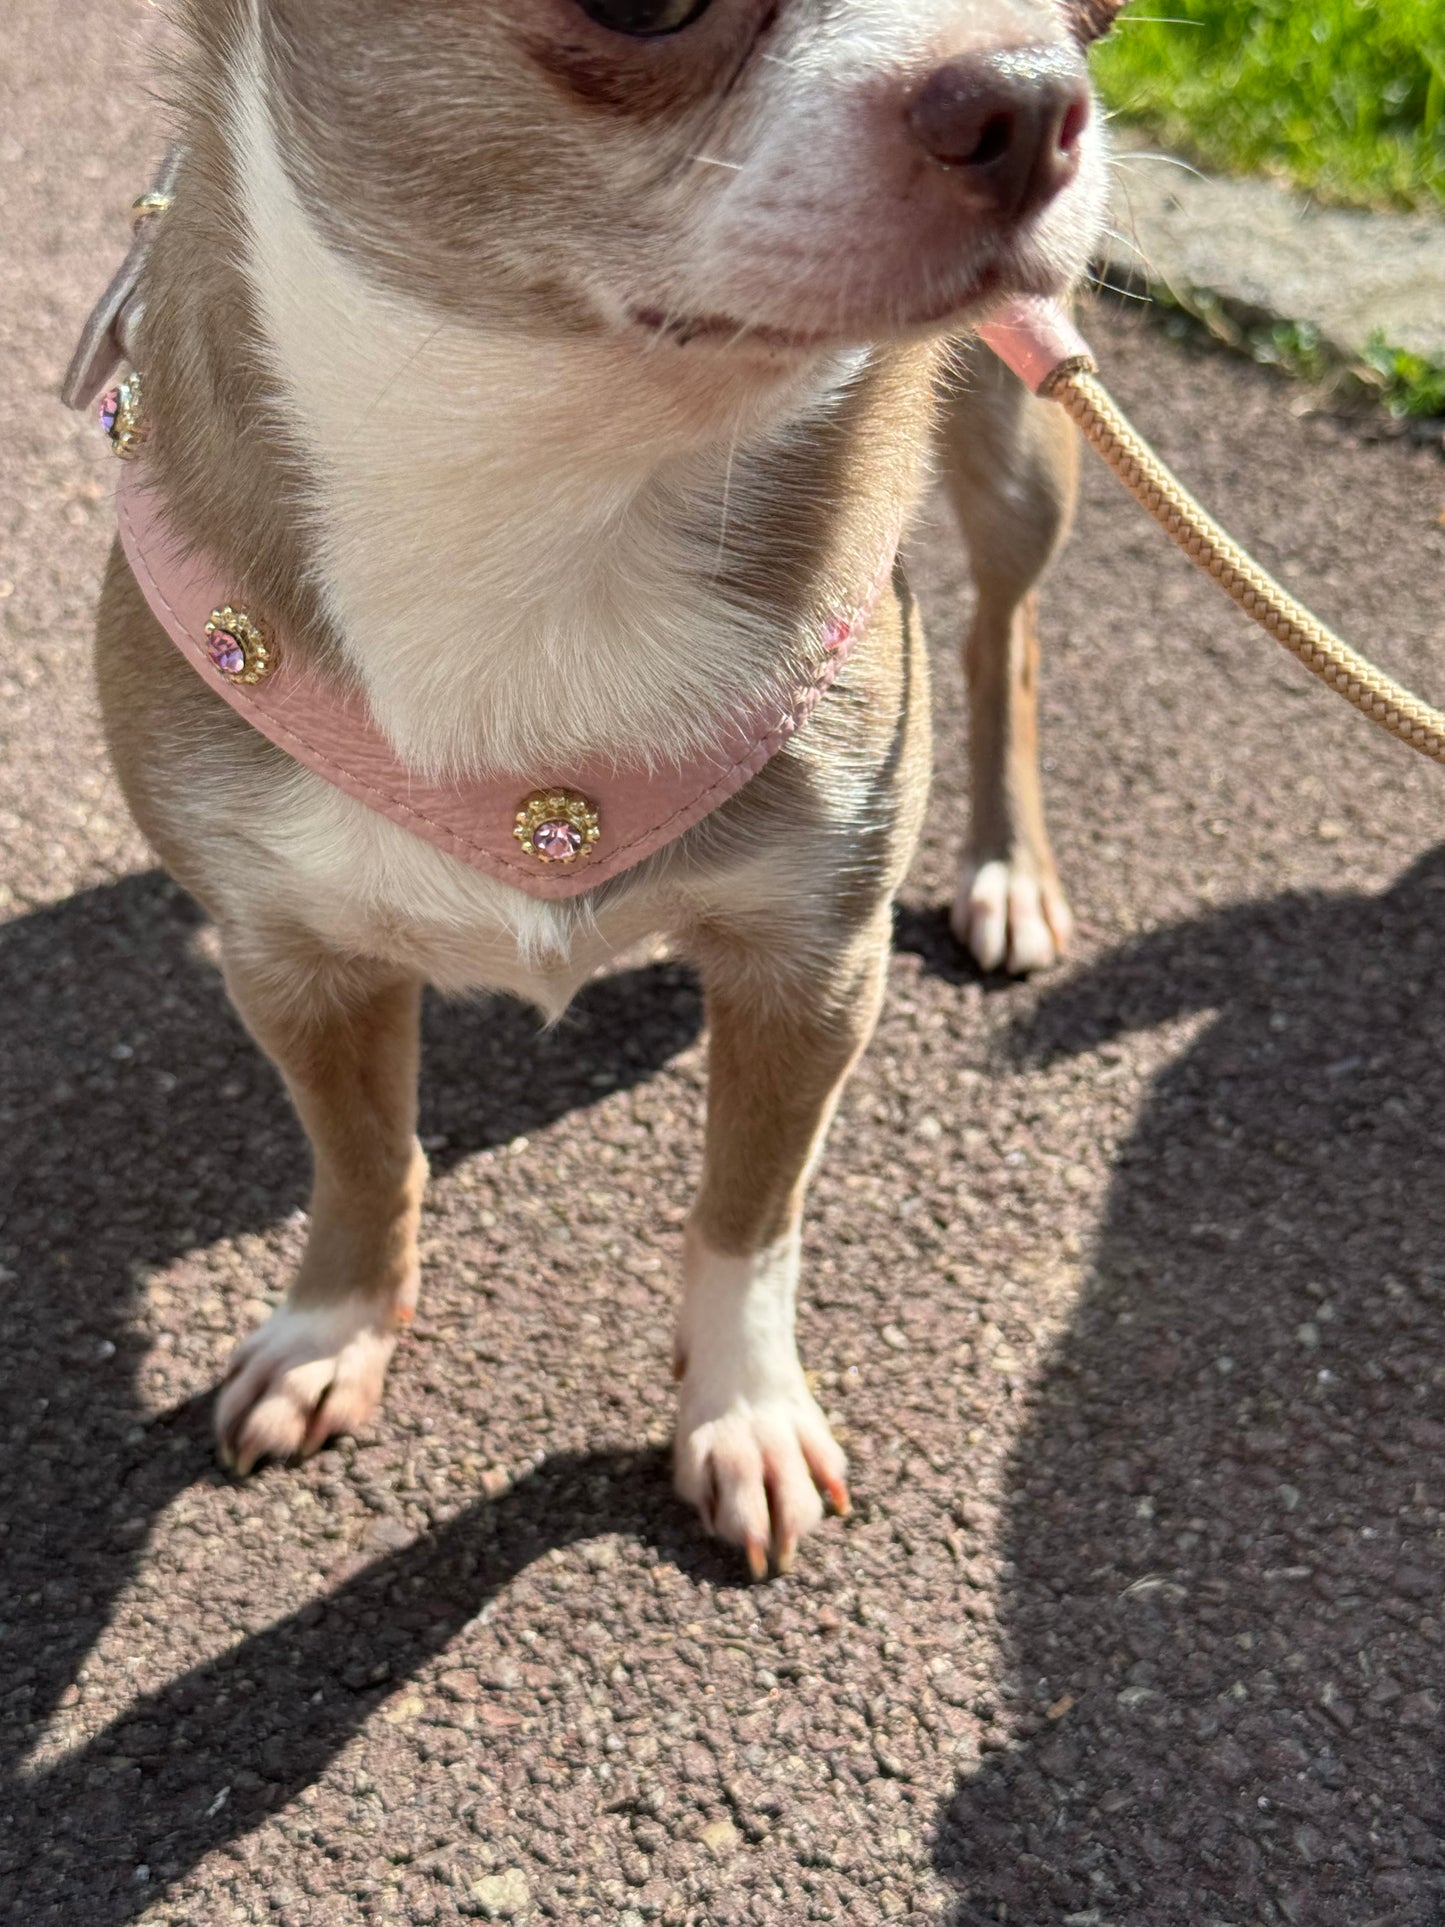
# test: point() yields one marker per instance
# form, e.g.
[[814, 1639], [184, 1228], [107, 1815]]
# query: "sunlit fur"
[[557, 388]]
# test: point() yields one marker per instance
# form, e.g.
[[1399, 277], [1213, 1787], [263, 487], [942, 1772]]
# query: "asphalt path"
[[1126, 1288]]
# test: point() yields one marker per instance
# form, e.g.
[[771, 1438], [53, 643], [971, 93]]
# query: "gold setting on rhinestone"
[[239, 648], [122, 419], [149, 207], [557, 826]]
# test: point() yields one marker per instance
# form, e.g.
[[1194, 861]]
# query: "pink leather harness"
[[616, 816], [324, 724]]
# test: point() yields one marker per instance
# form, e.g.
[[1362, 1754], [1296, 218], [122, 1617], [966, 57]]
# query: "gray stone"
[[1262, 254], [503, 1896]]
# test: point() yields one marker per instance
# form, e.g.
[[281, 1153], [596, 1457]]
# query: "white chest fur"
[[517, 541], [518, 547]]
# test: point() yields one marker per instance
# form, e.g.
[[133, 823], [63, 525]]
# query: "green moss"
[[1410, 384]]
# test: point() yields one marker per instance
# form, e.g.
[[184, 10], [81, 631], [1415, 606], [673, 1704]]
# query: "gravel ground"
[[1125, 1290]]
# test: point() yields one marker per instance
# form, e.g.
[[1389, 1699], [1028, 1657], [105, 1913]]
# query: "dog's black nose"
[[1009, 125]]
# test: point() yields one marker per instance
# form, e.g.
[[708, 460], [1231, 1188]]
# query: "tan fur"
[[348, 1052], [1011, 466], [707, 426], [775, 1071]]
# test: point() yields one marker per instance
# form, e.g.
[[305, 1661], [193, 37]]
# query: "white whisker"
[[1167, 160], [1098, 282], [722, 535]]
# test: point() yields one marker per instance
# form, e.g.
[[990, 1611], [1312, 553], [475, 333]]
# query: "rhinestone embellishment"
[[239, 648], [120, 417], [557, 826]]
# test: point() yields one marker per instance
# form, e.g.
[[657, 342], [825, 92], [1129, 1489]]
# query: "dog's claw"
[[318, 1429], [757, 1559], [228, 1446], [835, 1491]]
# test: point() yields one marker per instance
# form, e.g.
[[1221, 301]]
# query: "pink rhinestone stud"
[[557, 842], [557, 826], [120, 417], [226, 652], [240, 649]]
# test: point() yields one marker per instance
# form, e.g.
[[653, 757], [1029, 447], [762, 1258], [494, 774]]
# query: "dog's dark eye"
[[644, 18]]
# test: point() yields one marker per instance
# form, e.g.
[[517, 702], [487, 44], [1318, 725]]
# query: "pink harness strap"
[[325, 725]]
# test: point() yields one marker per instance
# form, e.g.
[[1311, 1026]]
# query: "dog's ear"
[[108, 339], [1092, 19]]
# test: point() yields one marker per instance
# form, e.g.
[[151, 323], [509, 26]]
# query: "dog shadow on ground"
[[1221, 1621], [138, 1122], [1225, 1573]]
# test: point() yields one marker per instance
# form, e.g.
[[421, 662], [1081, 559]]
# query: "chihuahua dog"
[[544, 389]]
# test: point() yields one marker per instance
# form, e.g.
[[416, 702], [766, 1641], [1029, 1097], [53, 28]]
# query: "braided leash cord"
[[1076, 387]]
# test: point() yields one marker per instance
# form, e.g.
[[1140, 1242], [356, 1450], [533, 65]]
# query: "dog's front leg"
[[345, 1038], [754, 1452]]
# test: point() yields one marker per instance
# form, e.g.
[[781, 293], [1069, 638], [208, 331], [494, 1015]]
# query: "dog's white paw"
[[1011, 917], [755, 1467], [299, 1379], [754, 1453]]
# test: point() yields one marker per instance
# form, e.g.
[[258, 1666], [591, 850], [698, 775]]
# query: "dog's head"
[[753, 175]]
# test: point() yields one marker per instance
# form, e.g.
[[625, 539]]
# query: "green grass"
[[1343, 97]]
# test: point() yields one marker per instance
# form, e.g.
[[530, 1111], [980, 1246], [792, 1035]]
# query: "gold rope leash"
[[1040, 345], [1323, 653]]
